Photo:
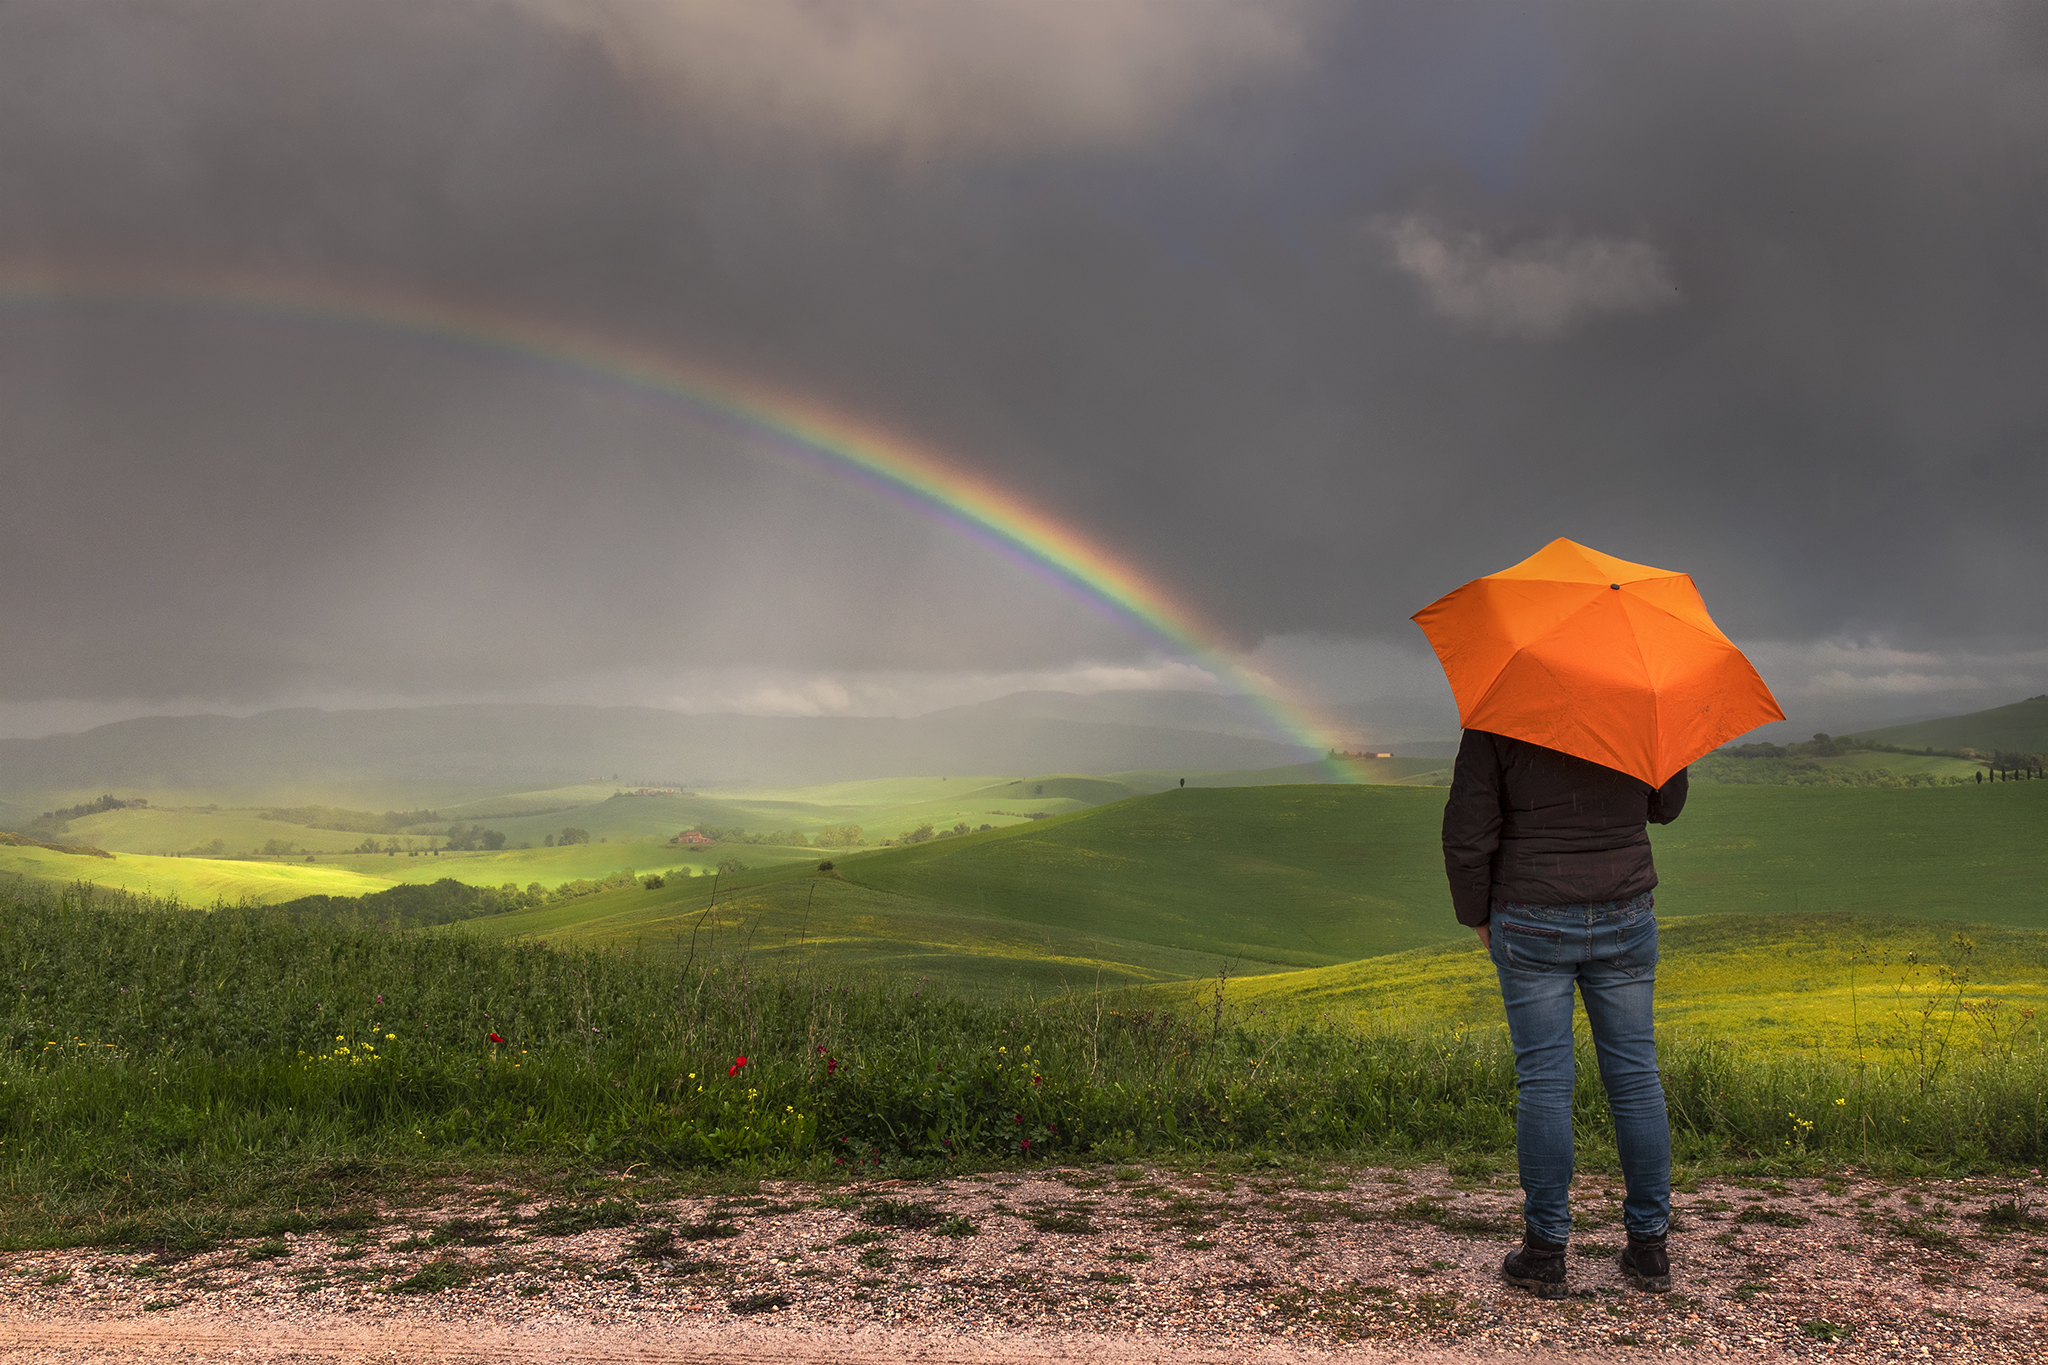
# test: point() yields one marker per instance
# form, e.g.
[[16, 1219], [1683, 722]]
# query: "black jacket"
[[1532, 825]]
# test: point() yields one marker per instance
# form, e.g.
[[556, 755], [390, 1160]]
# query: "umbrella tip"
[[1615, 586]]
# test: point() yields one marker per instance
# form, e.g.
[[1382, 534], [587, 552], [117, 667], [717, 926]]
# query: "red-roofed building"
[[689, 836]]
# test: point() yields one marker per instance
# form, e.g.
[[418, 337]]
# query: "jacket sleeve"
[[1668, 800], [1472, 825]]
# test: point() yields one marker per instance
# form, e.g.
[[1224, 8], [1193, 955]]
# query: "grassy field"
[[195, 881], [1182, 882], [158, 830], [1177, 885], [312, 1058], [1259, 880], [1418, 772], [1835, 984], [1973, 854]]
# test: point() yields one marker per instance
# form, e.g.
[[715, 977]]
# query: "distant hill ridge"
[[2021, 727], [546, 745]]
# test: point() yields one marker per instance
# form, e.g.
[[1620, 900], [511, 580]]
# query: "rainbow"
[[846, 443]]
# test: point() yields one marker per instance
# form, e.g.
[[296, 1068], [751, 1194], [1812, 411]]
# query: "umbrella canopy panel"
[[1612, 661]]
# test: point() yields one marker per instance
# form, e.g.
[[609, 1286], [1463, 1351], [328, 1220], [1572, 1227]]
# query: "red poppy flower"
[[831, 1065], [1027, 1144], [734, 1069], [496, 1039]]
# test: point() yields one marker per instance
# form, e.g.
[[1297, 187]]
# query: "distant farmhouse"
[[689, 836]]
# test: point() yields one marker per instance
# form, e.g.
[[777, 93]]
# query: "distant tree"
[[549, 841], [961, 828], [731, 867], [368, 845], [276, 848], [916, 836], [1038, 789], [492, 839], [572, 835], [652, 881], [840, 836]]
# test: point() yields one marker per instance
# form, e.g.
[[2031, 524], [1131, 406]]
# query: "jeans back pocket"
[[1531, 945], [1630, 945]]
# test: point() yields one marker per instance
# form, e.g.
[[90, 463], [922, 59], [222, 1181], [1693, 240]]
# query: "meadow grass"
[[1185, 883], [199, 881], [1835, 986], [1263, 880], [154, 1058], [1971, 853]]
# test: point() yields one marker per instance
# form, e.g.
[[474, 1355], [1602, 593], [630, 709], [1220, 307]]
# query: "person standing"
[[1548, 857]]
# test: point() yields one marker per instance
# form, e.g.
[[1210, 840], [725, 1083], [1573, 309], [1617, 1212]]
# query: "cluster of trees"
[[781, 838], [57, 821], [448, 900], [925, 832], [840, 836], [412, 903], [1804, 772], [570, 835], [393, 847], [2022, 765], [1820, 746], [104, 803], [460, 838], [351, 821]]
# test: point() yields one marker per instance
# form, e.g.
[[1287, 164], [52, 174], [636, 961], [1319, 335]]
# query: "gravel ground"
[[1126, 1263]]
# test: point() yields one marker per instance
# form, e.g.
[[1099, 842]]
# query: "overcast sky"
[[1311, 310]]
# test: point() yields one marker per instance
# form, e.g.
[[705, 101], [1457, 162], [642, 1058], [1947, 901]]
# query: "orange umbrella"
[[1615, 662]]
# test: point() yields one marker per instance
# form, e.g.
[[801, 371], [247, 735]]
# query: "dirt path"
[[241, 1341], [1113, 1266]]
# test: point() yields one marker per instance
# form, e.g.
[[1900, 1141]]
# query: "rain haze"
[[1306, 312]]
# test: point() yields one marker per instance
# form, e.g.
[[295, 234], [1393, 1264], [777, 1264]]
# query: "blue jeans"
[[1609, 952]]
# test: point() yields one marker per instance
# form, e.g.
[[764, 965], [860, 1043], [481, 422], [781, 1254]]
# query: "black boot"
[[1645, 1265], [1537, 1266]]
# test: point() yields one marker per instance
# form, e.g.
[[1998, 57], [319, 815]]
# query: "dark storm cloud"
[[1314, 317]]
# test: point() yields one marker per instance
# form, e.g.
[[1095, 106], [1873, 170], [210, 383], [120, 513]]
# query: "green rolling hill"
[[1320, 899], [2021, 727], [1272, 876], [1264, 880]]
